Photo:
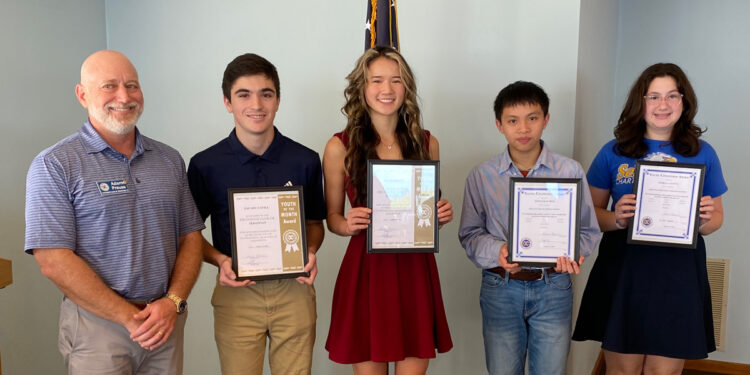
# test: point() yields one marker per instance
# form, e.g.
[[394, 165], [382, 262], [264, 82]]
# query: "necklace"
[[390, 146]]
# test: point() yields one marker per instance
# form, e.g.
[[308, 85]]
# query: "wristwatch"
[[179, 302]]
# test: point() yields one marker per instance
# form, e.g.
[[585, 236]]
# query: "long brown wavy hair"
[[362, 135], [631, 128]]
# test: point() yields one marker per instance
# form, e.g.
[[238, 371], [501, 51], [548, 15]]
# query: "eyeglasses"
[[671, 99]]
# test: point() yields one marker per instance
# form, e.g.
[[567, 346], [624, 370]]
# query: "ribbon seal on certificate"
[[291, 238], [646, 221], [526, 243], [424, 213]]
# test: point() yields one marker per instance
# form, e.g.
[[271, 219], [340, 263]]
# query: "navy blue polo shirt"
[[228, 164]]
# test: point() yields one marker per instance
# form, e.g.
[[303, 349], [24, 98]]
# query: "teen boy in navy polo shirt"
[[256, 154]]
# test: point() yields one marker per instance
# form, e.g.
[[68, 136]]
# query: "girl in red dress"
[[386, 307]]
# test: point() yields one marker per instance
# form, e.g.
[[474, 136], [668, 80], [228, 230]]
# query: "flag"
[[381, 28]]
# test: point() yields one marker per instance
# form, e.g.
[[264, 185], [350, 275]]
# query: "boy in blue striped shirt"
[[524, 310]]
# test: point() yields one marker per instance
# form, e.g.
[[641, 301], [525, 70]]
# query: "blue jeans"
[[521, 316]]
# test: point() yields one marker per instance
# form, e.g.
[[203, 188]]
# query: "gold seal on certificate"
[[403, 196], [667, 204], [544, 220], [268, 232]]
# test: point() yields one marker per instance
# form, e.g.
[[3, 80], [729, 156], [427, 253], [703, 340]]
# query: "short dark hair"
[[248, 64], [520, 92]]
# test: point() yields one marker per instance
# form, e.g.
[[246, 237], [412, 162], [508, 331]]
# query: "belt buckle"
[[541, 275]]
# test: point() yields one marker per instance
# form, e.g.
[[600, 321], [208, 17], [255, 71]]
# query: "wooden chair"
[[6, 278]]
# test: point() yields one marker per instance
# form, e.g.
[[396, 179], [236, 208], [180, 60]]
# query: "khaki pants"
[[93, 345], [281, 310]]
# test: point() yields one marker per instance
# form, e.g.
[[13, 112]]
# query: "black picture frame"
[[574, 217], [232, 194], [420, 214], [635, 234]]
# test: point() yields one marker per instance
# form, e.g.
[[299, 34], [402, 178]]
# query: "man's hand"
[[157, 323], [503, 260], [227, 277], [565, 265], [311, 267]]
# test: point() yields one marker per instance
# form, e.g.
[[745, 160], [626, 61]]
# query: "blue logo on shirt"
[[625, 174], [112, 186]]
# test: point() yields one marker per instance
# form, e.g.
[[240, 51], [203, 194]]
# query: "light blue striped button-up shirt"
[[123, 216], [484, 217]]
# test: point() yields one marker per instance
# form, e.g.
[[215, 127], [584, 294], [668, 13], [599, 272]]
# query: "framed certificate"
[[402, 195], [667, 204], [268, 232], [544, 220]]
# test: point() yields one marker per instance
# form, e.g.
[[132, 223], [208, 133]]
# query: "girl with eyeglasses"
[[650, 305]]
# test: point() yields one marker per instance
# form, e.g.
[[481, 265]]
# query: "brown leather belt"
[[524, 274]]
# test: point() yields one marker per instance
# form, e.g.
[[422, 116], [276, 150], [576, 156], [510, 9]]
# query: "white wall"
[[43, 44], [708, 40], [584, 53], [462, 53]]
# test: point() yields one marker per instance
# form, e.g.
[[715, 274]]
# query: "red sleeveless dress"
[[386, 307]]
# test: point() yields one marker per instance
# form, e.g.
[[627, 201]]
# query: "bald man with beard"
[[110, 220]]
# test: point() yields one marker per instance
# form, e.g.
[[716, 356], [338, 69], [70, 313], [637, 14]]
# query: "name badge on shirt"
[[112, 186]]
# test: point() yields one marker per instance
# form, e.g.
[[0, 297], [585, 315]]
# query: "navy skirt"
[[648, 300]]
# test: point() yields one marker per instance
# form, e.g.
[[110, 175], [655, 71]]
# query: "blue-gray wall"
[[462, 56], [585, 53], [42, 45], [597, 54], [709, 41]]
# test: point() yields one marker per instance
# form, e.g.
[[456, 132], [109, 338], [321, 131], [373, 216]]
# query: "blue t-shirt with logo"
[[614, 172]]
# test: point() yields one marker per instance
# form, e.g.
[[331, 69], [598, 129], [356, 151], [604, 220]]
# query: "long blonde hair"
[[359, 128]]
